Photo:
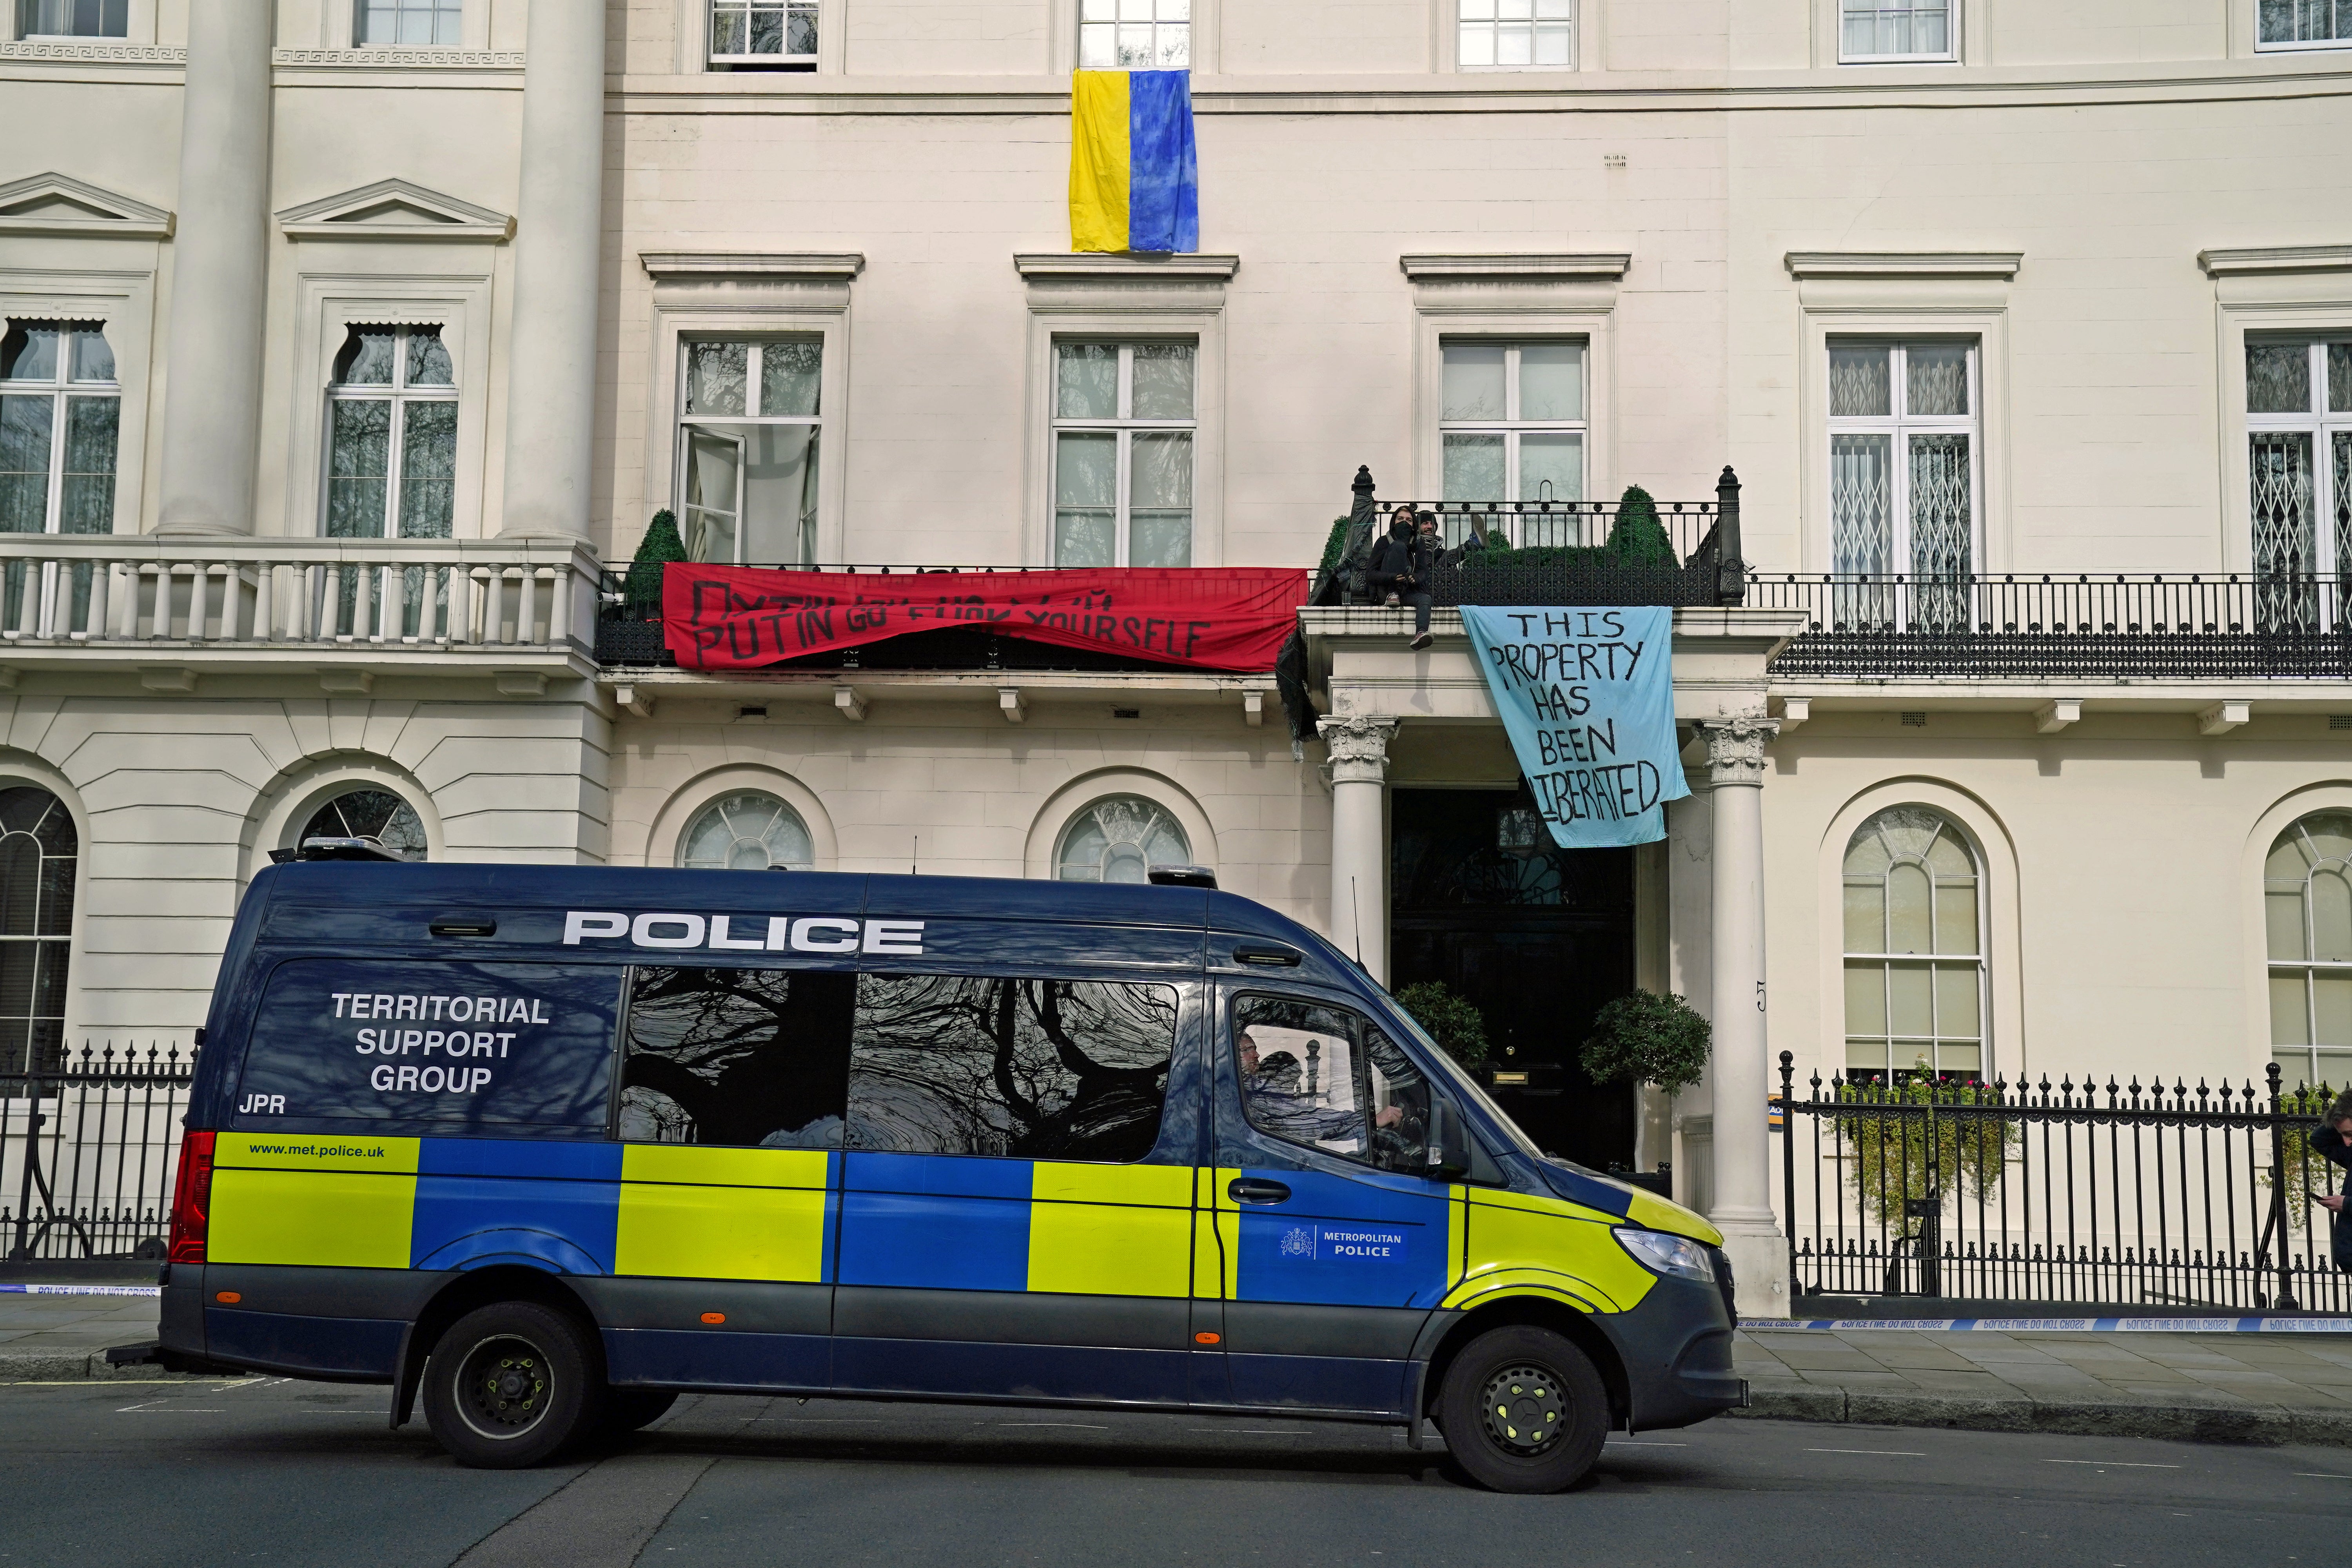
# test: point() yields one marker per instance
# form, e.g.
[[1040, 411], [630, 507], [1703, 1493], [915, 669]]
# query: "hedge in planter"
[[1451, 1019], [1644, 1038]]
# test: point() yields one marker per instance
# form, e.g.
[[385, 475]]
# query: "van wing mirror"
[[1449, 1142]]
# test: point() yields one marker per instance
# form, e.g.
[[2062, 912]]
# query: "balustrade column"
[[551, 352], [220, 269], [1740, 1074], [1359, 769]]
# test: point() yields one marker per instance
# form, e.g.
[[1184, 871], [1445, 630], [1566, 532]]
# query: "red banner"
[[736, 617]]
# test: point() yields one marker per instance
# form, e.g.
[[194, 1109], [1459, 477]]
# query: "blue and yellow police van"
[[550, 1146]]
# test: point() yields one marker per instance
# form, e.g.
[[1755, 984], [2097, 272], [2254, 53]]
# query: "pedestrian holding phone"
[[2333, 1144]]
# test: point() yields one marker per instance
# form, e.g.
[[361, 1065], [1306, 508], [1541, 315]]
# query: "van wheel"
[[512, 1384], [630, 1410], [1523, 1411]]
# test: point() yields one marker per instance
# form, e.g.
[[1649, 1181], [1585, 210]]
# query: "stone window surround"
[[1885, 295], [2269, 291], [1512, 297], [666, 835], [750, 294], [1074, 295], [329, 303], [1060, 812], [2006, 1049], [124, 302]]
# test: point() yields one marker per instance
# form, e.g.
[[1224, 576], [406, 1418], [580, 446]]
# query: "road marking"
[[2111, 1464], [158, 1408], [1622, 1443], [1073, 1426], [1882, 1453], [2321, 1475]]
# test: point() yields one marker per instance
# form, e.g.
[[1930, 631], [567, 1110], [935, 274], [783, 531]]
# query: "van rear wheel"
[[1523, 1411], [512, 1384]]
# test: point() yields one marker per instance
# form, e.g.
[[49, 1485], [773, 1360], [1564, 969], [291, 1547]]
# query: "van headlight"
[[1661, 1254]]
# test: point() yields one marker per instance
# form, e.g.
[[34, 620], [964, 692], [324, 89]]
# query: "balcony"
[[224, 605], [2032, 627]]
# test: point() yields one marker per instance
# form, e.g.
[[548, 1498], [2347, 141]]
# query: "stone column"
[[220, 274], [551, 347], [1742, 1081], [1360, 770]]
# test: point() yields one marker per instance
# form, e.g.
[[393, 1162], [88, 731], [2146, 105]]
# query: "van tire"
[[1523, 1411], [628, 1410], [513, 1385]]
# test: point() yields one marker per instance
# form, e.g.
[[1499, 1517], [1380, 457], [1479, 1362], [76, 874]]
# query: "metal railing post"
[[1789, 1162], [1731, 566], [2284, 1299]]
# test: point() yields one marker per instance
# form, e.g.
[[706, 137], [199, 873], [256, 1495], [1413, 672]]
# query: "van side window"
[[1400, 1141], [1297, 1065], [473, 1047], [748, 1057], [1042, 1069]]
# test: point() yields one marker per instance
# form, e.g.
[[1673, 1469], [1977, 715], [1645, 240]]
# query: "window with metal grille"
[[2299, 477], [1902, 483], [1915, 971]]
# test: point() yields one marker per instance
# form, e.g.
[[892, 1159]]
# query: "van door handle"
[[1256, 1190]]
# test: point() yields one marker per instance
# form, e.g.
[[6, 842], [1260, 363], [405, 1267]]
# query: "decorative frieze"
[[398, 58], [103, 51]]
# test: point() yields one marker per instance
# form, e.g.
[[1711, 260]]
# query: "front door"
[[1336, 1250]]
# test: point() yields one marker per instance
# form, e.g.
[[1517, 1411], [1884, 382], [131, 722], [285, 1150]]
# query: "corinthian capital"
[[1735, 749], [1359, 747]]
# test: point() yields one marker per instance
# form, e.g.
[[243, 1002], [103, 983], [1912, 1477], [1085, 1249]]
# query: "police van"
[[551, 1145]]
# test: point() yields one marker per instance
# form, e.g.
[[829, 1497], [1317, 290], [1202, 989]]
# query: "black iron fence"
[[2167, 1198], [87, 1153], [2024, 627]]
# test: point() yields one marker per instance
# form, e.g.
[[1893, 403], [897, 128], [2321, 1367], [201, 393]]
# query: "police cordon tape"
[[81, 1289]]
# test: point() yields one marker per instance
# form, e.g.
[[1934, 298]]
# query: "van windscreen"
[[469, 1045]]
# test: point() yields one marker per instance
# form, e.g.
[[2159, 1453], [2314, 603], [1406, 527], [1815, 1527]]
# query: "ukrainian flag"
[[1134, 184]]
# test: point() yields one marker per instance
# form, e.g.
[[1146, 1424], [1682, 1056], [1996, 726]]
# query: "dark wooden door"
[[1536, 938]]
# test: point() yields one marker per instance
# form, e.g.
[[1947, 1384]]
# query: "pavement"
[[187, 1475], [2222, 1387]]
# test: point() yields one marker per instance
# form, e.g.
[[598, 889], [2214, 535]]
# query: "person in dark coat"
[[1403, 561], [2333, 1142]]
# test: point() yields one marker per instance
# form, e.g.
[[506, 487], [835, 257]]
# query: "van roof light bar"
[[1182, 877], [358, 848]]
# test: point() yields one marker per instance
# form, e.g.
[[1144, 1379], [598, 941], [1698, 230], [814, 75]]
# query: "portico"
[[1379, 698]]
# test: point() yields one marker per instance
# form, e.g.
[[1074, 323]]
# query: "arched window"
[[1119, 839], [2307, 907], [1915, 975], [376, 813], [747, 831], [38, 847]]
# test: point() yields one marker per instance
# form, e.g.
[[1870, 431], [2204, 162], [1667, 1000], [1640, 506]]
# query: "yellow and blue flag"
[[1134, 181]]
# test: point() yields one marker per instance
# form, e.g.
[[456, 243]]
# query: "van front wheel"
[[1523, 1411], [512, 1384]]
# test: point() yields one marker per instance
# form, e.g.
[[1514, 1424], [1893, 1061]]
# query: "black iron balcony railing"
[[2028, 626]]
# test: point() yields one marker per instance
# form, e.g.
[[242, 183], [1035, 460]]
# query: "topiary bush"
[[661, 546], [1638, 535], [1452, 1021], [1644, 1038]]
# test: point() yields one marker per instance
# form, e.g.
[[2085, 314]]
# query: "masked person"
[[2333, 1144], [1403, 561]]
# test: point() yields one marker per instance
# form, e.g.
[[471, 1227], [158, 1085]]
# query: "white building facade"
[[347, 343]]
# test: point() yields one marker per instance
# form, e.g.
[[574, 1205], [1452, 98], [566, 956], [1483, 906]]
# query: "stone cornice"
[[1515, 266], [438, 217], [89, 211], [1093, 266], [812, 266], [401, 59], [2277, 258], [102, 51], [1999, 265]]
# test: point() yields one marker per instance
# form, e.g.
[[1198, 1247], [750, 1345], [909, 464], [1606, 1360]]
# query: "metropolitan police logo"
[[1298, 1242]]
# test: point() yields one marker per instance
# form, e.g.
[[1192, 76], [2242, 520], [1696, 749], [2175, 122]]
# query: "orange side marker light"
[[1206, 1338], [231, 1297], [714, 1317]]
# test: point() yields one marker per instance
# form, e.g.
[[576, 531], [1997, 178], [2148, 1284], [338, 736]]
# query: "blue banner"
[[1588, 699]]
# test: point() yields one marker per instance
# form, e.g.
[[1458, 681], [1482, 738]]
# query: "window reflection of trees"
[[740, 1057], [1022, 1069]]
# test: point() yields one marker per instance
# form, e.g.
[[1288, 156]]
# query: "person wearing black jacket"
[[1403, 561], [2333, 1142]]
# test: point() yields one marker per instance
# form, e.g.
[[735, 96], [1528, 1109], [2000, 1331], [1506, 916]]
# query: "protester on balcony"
[[2332, 1142], [1402, 563]]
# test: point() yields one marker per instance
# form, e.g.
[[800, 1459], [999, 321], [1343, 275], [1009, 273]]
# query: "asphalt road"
[[186, 1475]]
